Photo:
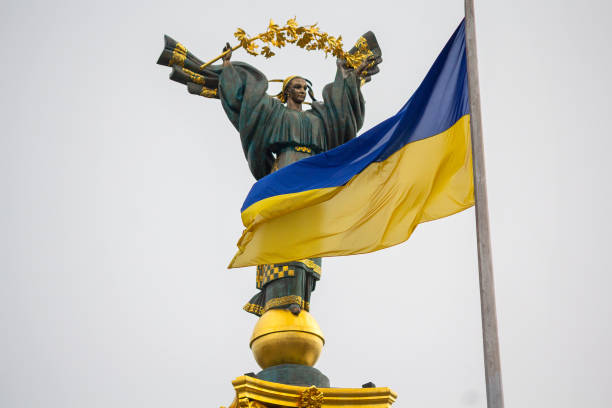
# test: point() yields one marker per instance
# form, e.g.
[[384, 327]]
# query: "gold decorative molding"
[[195, 78], [284, 301], [179, 54], [266, 394], [208, 93], [311, 398], [253, 308], [247, 403], [308, 262]]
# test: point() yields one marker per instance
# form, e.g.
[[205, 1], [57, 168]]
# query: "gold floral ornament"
[[308, 37], [248, 403], [311, 398]]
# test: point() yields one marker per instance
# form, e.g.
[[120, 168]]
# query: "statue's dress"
[[274, 136]]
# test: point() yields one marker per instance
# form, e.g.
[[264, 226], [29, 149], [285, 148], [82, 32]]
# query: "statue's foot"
[[295, 308]]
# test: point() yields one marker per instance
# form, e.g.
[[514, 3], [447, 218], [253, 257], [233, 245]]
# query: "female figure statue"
[[276, 131]]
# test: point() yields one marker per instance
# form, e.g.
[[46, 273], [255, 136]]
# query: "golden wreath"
[[307, 37]]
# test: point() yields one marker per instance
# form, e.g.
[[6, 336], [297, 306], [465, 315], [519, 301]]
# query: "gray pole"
[[495, 396]]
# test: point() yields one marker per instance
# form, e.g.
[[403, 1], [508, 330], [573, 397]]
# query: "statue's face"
[[296, 90]]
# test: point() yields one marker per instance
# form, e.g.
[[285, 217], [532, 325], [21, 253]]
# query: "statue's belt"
[[300, 148]]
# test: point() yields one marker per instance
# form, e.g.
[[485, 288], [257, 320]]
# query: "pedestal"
[[254, 393], [287, 346]]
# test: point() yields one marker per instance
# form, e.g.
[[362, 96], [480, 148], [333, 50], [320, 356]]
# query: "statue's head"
[[295, 88]]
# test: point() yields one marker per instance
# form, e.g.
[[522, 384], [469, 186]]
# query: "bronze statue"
[[276, 131]]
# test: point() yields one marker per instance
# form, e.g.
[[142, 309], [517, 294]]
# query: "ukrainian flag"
[[371, 192]]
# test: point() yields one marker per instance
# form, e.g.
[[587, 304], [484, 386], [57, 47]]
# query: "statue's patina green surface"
[[269, 128], [275, 132]]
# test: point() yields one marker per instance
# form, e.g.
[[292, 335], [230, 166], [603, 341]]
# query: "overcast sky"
[[120, 199]]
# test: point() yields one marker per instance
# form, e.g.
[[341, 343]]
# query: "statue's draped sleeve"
[[342, 110], [242, 90], [266, 125]]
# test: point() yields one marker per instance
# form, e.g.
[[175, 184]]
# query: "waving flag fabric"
[[371, 192]]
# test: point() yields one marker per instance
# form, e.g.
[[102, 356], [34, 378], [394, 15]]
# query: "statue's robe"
[[267, 126], [274, 136]]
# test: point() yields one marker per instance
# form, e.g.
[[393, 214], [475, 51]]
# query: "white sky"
[[121, 194]]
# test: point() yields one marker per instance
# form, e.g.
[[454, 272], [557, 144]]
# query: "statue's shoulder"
[[316, 108], [249, 70]]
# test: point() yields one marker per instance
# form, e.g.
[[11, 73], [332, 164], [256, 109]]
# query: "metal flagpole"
[[495, 396]]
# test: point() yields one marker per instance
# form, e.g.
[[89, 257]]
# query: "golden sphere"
[[280, 337]]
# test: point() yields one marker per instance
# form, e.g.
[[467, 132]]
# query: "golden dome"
[[280, 337]]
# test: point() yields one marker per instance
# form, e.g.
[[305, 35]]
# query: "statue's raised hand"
[[368, 68], [226, 58], [364, 71]]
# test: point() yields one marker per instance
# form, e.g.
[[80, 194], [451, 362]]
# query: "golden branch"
[[307, 37]]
